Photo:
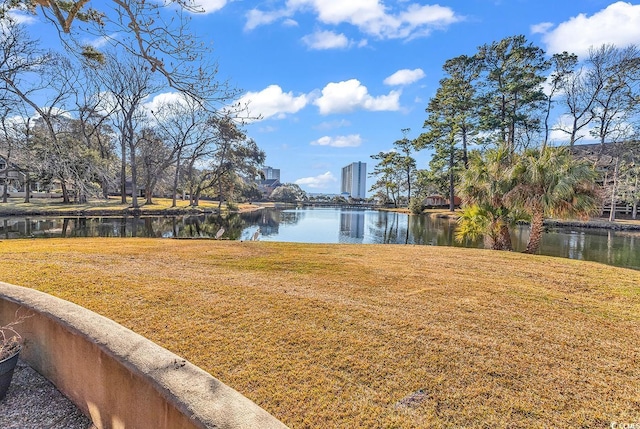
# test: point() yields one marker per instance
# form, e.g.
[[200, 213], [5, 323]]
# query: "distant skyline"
[[335, 81]]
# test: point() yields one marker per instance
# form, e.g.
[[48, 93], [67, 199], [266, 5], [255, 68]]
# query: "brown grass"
[[17, 206], [369, 336]]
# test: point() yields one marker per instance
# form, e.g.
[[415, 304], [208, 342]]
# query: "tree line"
[[489, 125]]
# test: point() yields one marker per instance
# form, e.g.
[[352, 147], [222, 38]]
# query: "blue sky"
[[336, 81]]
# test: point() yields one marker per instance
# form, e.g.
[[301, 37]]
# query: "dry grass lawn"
[[17, 206], [369, 336]]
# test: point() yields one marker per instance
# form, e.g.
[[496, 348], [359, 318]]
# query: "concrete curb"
[[117, 377]]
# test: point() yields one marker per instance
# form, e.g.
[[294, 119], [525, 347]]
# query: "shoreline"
[[16, 207], [13, 209], [592, 223], [107, 213], [618, 225]]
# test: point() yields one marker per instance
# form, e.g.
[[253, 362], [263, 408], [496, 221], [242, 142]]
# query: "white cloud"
[[541, 28], [352, 140], [325, 40], [329, 125], [256, 18], [618, 24], [272, 102], [323, 181], [207, 6], [161, 100], [268, 129], [22, 17], [371, 17], [404, 77], [347, 96], [101, 42]]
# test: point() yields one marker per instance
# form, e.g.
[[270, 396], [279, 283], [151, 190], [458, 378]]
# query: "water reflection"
[[352, 227], [329, 225]]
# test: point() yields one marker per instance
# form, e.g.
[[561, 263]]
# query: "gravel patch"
[[33, 402]]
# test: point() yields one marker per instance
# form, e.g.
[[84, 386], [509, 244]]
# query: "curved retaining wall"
[[118, 378]]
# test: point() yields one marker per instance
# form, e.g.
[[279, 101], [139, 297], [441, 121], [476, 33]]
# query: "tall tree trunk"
[[123, 173], [134, 172], [5, 186], [452, 205], [408, 185], [220, 198], [465, 152], [634, 212], [612, 212], [535, 233], [174, 189], [27, 189], [65, 192], [505, 238]]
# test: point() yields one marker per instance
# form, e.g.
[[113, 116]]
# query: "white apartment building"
[[354, 180]]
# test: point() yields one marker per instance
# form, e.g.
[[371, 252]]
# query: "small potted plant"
[[10, 346]]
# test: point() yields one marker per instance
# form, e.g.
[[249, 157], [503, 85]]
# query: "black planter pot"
[[6, 373]]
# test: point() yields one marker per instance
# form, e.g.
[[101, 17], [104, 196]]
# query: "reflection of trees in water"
[[269, 220], [610, 247], [292, 217], [399, 228], [207, 226], [386, 228], [418, 225], [443, 231], [28, 227]]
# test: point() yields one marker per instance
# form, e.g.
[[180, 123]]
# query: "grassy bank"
[[371, 336], [112, 206]]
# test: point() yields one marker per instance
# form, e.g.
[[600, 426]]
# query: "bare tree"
[[563, 72], [155, 158], [183, 125], [616, 73], [8, 144], [580, 88], [129, 83], [157, 33], [95, 131], [220, 161], [29, 75]]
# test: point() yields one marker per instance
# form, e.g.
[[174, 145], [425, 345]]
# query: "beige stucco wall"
[[117, 377]]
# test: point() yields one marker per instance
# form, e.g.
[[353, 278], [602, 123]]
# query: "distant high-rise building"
[[354, 180], [271, 173]]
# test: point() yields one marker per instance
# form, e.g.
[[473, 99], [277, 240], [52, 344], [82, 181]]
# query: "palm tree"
[[483, 187], [551, 183]]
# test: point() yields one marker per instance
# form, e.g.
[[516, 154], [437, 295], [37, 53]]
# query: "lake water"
[[330, 225]]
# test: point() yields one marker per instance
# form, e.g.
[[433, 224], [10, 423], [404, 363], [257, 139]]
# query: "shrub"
[[415, 205]]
